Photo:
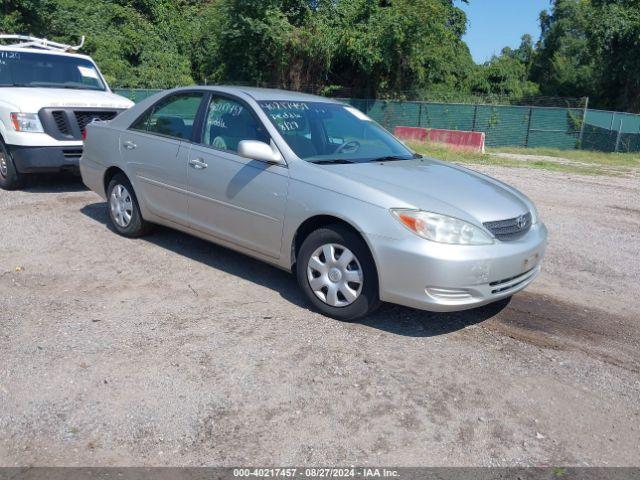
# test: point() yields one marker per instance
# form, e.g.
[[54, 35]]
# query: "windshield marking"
[[332, 133], [9, 55], [285, 105]]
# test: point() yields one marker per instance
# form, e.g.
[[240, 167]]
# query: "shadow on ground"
[[390, 318], [53, 183]]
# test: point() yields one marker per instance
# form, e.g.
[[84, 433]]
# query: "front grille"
[[510, 229], [72, 153], [70, 123], [84, 117], [510, 283], [62, 123]]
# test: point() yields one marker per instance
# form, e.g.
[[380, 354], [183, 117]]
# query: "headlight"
[[442, 229], [26, 122]]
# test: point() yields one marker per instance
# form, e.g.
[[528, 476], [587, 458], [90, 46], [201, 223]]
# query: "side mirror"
[[256, 150]]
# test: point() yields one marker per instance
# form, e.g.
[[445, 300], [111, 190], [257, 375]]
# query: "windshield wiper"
[[395, 158], [333, 161], [78, 87], [390, 158], [69, 85]]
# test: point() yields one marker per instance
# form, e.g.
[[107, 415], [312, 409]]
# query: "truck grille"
[[70, 123], [71, 153], [510, 229], [84, 118], [61, 122]]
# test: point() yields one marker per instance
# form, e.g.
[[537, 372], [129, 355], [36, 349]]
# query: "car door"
[[156, 149], [234, 198]]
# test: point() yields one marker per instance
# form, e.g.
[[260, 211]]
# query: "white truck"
[[48, 95]]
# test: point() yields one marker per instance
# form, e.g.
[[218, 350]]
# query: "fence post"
[[618, 138], [526, 142], [475, 117], [419, 114], [584, 121]]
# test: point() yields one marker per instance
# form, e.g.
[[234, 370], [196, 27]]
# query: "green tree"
[[22, 16], [374, 48], [564, 64], [614, 39], [591, 48], [507, 75], [394, 46]]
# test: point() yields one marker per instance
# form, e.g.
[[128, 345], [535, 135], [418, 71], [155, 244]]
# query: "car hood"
[[439, 187], [33, 99]]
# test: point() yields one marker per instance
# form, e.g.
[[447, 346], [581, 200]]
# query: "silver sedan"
[[315, 187]]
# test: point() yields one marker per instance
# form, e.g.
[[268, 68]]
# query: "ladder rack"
[[27, 41]]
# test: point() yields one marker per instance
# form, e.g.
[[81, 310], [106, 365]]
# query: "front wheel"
[[337, 273], [124, 210], [10, 178]]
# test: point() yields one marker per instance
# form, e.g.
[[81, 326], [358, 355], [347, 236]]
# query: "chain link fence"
[[504, 125], [611, 131]]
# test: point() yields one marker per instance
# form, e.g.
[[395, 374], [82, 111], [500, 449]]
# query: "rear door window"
[[173, 116]]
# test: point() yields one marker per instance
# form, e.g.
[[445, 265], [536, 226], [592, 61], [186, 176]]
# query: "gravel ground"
[[172, 351]]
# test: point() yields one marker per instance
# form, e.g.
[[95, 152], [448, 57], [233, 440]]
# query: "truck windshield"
[[41, 70], [324, 133]]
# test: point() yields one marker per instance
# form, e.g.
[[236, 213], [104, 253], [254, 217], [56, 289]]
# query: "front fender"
[[306, 201]]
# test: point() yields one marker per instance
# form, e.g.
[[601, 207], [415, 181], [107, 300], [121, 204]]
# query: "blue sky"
[[494, 24]]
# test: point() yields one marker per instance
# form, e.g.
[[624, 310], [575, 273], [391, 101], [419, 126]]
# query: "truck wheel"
[[10, 178], [124, 211]]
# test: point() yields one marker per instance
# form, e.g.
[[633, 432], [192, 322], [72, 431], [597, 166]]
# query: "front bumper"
[[45, 159], [445, 278]]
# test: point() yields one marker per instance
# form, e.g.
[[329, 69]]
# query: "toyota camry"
[[315, 187]]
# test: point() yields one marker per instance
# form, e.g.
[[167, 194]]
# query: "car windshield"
[[40, 70], [321, 132]]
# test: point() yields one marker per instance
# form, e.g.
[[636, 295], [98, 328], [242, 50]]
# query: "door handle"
[[198, 163], [129, 145]]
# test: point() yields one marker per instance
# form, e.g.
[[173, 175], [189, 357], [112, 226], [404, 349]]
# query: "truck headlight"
[[441, 228], [26, 122]]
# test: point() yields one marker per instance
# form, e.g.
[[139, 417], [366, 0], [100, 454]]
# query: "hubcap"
[[121, 206], [3, 165], [335, 275]]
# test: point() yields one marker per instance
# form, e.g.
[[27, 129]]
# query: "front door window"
[[229, 122]]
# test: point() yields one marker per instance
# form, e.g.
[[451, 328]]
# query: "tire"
[[124, 209], [10, 178], [314, 270]]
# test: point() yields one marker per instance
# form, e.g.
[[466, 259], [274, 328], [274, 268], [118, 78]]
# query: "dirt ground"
[[172, 351]]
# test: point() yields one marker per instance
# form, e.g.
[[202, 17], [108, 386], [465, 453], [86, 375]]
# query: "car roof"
[[264, 94], [15, 48]]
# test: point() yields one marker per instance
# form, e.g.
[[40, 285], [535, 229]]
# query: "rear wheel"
[[124, 210], [337, 273], [10, 178]]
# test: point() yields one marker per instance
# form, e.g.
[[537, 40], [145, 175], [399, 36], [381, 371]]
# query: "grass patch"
[[586, 162], [584, 156]]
